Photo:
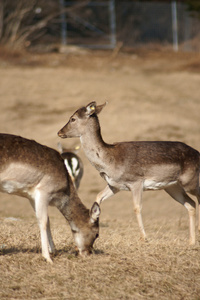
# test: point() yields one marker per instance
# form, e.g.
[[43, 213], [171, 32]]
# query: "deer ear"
[[100, 107], [94, 212], [91, 108]]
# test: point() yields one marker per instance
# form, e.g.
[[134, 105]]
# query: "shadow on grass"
[[69, 251], [14, 250], [73, 252]]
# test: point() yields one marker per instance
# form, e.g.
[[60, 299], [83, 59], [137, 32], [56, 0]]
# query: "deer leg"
[[50, 240], [178, 194], [137, 203], [42, 216], [198, 198], [106, 193], [199, 214], [197, 194]]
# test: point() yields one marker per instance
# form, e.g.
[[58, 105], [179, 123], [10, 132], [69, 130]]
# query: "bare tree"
[[22, 22]]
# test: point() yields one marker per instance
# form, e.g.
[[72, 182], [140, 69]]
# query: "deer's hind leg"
[[197, 194], [178, 194], [52, 248], [50, 239], [41, 210], [198, 198]]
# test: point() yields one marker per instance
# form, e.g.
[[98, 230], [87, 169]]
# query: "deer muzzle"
[[61, 134]]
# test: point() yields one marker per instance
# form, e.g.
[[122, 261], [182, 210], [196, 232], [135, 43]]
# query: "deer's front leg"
[[136, 190], [106, 193], [179, 194]]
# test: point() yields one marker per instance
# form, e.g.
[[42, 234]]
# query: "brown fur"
[[38, 173], [138, 166]]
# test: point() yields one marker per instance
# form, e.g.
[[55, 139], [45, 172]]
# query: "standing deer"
[[73, 164], [38, 173], [138, 166]]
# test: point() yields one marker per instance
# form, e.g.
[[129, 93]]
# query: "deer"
[[38, 173], [73, 163], [138, 166]]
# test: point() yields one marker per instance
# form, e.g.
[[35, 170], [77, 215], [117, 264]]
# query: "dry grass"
[[122, 267], [151, 96]]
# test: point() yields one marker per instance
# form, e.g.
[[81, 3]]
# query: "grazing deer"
[[73, 164], [38, 173], [138, 166]]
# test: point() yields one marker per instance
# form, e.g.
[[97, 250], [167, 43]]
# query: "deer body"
[[38, 173], [138, 166], [156, 164]]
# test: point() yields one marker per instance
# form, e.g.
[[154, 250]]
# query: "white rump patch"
[[68, 167], [74, 163], [73, 170]]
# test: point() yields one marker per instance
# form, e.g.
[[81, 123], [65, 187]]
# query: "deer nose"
[[61, 134]]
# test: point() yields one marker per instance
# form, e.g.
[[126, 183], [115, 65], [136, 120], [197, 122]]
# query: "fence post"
[[112, 23], [63, 23], [174, 26], [1, 18]]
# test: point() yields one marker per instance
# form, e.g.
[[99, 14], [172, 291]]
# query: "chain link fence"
[[152, 23], [98, 24], [136, 24]]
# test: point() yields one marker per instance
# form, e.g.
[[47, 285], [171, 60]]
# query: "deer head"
[[78, 121]]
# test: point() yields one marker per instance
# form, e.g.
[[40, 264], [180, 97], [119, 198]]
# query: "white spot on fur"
[[155, 185], [72, 170]]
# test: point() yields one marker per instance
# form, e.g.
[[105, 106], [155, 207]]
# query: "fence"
[[95, 20], [135, 24]]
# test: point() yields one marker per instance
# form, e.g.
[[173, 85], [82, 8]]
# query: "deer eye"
[[73, 119]]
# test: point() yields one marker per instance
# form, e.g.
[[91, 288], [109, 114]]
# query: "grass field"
[[151, 96]]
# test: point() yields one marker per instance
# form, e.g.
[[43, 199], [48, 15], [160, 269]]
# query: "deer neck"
[[72, 208], [93, 145]]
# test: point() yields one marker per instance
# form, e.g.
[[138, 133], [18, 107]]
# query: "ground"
[[151, 96]]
